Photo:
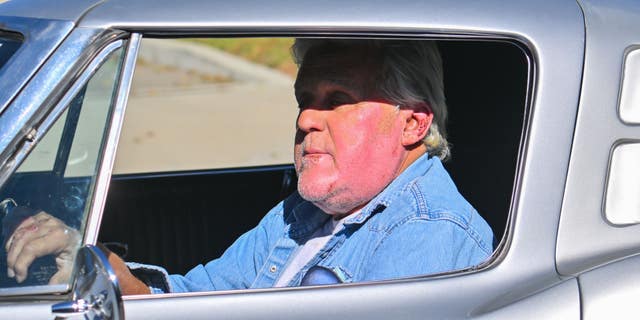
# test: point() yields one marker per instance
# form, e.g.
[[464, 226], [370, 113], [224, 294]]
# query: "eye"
[[337, 99], [303, 102]]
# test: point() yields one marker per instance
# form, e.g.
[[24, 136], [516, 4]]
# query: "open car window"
[[188, 96], [59, 173], [207, 144]]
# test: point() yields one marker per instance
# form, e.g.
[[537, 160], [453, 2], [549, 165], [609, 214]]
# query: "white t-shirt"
[[317, 241]]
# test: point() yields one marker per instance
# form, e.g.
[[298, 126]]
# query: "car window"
[[58, 174], [9, 43], [207, 144]]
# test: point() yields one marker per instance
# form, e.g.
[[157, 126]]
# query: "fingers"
[[35, 237], [63, 274], [65, 259], [24, 227], [28, 225], [28, 229], [33, 248]]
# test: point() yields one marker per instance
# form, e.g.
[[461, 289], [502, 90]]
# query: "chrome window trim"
[[502, 250], [109, 155], [41, 37], [37, 134]]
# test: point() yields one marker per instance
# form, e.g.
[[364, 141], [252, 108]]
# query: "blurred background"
[[209, 103]]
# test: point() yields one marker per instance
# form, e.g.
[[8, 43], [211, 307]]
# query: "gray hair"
[[410, 74]]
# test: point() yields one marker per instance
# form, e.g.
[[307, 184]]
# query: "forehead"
[[349, 66]]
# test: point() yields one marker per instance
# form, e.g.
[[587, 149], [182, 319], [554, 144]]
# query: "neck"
[[411, 156]]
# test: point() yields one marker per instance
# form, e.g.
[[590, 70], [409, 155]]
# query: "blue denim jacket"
[[419, 224]]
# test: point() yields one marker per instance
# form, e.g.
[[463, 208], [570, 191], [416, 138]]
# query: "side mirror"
[[96, 294]]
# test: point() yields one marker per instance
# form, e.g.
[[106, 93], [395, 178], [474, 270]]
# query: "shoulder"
[[430, 207], [447, 235], [425, 247]]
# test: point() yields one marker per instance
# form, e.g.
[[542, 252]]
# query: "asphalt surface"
[[194, 107]]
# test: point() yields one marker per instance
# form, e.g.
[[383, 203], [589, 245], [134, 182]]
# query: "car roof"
[[194, 15], [278, 15], [69, 10]]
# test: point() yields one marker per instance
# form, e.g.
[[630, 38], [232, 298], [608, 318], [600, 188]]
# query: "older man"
[[373, 200]]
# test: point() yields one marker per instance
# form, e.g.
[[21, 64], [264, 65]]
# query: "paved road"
[[192, 107]]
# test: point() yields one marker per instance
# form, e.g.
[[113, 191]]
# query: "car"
[[120, 119]]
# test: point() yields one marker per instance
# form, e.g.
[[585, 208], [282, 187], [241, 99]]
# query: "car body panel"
[[68, 10], [585, 238], [40, 38], [401, 300], [611, 291]]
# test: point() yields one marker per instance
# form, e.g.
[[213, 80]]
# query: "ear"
[[417, 125]]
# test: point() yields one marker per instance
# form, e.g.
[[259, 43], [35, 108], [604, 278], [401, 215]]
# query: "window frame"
[[94, 59], [505, 239]]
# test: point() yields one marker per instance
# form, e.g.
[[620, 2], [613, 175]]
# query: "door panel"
[[467, 296]]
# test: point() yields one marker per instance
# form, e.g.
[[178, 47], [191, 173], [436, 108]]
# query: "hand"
[[37, 236], [129, 284]]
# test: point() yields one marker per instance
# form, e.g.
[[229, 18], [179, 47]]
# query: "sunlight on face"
[[348, 141]]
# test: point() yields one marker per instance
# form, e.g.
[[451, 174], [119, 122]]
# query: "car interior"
[[181, 219]]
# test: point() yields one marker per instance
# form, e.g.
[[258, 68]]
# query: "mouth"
[[313, 155], [313, 152]]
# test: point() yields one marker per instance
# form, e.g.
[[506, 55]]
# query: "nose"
[[310, 119]]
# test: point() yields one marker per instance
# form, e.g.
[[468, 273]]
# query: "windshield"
[[9, 43]]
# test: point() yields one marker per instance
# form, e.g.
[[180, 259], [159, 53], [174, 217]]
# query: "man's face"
[[348, 141]]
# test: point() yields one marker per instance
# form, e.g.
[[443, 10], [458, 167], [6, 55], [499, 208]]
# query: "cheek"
[[351, 128], [374, 131], [297, 153], [370, 149]]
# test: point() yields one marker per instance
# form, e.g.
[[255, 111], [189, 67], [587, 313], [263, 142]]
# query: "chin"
[[311, 193], [325, 200]]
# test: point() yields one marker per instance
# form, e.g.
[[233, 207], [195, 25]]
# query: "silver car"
[[115, 117]]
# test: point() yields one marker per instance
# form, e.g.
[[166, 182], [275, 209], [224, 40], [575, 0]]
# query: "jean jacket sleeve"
[[235, 269]]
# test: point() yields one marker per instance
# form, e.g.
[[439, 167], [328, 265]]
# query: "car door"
[[521, 279]]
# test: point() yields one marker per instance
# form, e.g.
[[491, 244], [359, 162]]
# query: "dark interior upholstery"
[[182, 219], [486, 87]]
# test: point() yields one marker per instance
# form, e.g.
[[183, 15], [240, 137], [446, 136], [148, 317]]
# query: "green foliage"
[[272, 52]]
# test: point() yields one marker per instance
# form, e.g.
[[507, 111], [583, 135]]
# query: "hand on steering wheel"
[[37, 236]]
